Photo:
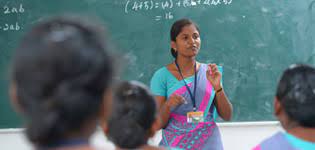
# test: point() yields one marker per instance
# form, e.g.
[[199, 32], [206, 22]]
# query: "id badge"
[[195, 117]]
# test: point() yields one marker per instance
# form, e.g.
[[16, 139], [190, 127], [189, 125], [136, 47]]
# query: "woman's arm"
[[223, 105], [164, 107], [164, 110], [221, 101]]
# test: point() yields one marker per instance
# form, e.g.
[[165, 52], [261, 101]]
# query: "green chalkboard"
[[254, 40]]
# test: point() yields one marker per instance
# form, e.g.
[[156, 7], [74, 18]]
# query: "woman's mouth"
[[193, 48]]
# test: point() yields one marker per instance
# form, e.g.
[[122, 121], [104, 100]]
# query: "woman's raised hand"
[[214, 76]]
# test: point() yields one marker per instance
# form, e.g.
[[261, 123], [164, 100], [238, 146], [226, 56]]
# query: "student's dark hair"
[[296, 93], [61, 70], [177, 28], [134, 111]]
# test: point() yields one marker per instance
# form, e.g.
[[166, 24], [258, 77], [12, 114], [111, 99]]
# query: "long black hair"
[[296, 93], [134, 111], [61, 69]]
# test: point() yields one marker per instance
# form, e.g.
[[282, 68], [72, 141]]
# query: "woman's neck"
[[186, 64], [304, 133]]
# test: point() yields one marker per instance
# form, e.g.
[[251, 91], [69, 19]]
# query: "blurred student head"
[[134, 117], [61, 72], [295, 97]]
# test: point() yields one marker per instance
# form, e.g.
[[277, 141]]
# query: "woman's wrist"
[[219, 90], [167, 105]]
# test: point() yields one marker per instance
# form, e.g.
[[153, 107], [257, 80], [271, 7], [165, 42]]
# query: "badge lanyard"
[[189, 91]]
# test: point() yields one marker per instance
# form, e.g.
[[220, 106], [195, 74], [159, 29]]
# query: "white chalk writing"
[[9, 11], [13, 10], [132, 6], [138, 5]]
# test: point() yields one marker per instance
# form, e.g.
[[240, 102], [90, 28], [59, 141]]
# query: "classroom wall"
[[237, 135]]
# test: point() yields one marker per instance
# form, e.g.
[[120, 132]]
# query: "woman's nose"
[[191, 41]]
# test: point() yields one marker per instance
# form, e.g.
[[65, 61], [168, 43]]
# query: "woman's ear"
[[105, 128], [105, 110], [14, 98], [281, 115], [173, 45], [277, 107]]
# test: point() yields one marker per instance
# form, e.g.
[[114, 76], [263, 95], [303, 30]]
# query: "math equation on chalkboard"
[[133, 6], [11, 10]]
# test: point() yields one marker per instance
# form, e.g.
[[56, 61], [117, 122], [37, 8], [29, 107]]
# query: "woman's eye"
[[196, 36]]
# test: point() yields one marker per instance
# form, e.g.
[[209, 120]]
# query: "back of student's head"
[[296, 93], [134, 112], [60, 71]]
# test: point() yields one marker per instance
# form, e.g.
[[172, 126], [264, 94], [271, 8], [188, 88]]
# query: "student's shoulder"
[[276, 141]]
